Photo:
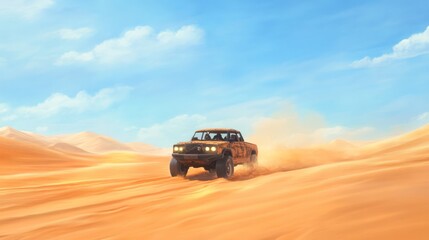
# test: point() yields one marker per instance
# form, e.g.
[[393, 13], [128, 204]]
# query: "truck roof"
[[217, 130]]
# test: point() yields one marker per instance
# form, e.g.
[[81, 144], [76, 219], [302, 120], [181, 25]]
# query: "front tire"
[[225, 167], [178, 169]]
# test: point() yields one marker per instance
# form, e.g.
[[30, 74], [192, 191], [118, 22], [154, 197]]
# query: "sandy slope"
[[67, 148], [54, 142], [11, 133], [23, 157], [335, 191]]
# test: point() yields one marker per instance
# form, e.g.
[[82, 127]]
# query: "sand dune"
[[93, 142], [22, 157], [83, 142], [67, 148], [333, 191], [416, 140], [53, 142], [11, 133]]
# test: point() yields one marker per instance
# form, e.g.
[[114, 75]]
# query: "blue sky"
[[154, 71]]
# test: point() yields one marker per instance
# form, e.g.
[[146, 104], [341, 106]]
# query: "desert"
[[338, 190], [244, 119]]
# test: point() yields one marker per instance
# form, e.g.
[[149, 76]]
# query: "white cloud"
[[24, 8], [138, 43], [423, 117], [74, 34], [416, 45], [83, 101], [186, 35], [73, 56]]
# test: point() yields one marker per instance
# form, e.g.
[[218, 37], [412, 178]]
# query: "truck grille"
[[193, 148]]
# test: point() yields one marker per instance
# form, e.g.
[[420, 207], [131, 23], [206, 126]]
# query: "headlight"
[[212, 148], [178, 148]]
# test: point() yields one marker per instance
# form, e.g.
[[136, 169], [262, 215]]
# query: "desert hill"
[[26, 157], [79, 143], [67, 148], [93, 142], [11, 133]]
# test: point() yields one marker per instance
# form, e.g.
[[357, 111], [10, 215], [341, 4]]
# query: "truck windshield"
[[210, 136]]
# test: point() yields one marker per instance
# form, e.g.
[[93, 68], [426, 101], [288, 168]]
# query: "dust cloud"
[[289, 141]]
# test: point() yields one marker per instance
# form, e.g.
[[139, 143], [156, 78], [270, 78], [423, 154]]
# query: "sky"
[[155, 71]]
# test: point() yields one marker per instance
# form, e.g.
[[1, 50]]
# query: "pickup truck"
[[217, 150]]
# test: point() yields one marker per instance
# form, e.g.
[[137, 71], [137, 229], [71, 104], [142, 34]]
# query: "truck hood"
[[215, 143]]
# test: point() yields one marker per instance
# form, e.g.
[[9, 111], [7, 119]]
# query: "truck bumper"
[[196, 160]]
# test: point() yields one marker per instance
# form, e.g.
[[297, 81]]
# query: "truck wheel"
[[253, 160], [225, 167], [177, 169]]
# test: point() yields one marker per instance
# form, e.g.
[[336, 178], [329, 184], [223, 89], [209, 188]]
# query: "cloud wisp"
[[74, 34], [138, 43], [423, 117], [27, 9], [81, 102], [59, 103], [416, 45]]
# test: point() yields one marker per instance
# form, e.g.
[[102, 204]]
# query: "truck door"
[[238, 148], [244, 151]]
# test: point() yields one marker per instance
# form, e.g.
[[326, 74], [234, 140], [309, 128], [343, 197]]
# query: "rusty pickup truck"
[[217, 150]]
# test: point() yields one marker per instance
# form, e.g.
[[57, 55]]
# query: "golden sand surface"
[[338, 190]]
